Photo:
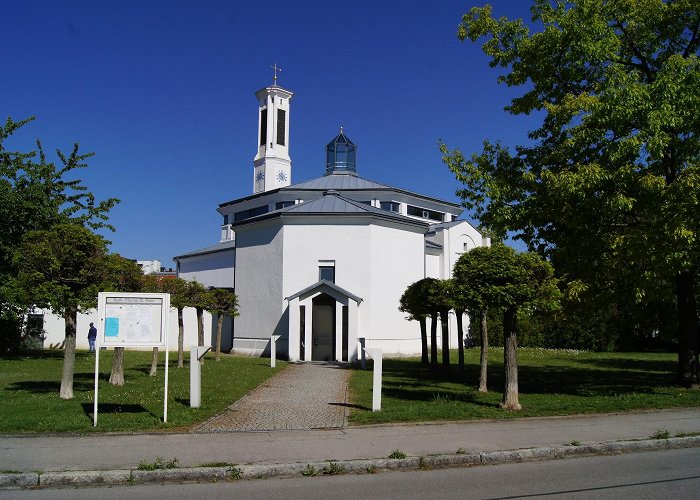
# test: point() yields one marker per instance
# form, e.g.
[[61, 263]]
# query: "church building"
[[322, 263]]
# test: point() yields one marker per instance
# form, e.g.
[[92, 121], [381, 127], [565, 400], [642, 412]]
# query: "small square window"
[[326, 273]]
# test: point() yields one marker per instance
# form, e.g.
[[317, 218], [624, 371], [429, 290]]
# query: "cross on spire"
[[276, 69]]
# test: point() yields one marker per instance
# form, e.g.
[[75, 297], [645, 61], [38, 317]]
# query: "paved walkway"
[[302, 397], [122, 451]]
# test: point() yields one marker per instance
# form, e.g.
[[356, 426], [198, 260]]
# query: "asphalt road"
[[662, 474]]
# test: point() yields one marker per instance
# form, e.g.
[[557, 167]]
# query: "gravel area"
[[301, 397]]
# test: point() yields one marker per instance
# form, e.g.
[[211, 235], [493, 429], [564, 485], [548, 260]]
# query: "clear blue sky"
[[163, 93]]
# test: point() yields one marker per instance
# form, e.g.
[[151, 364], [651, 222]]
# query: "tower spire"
[[275, 69], [272, 166]]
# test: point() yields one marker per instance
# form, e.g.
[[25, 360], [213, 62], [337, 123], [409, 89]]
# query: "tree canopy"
[[607, 186]]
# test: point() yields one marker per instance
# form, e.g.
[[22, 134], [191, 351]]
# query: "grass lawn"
[[29, 384], [552, 382]]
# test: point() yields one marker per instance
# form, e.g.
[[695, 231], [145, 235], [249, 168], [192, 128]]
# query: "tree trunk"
[[154, 363], [433, 340], [510, 362], [444, 324], [70, 316], [200, 329], [117, 375], [423, 342], [200, 326], [460, 340], [180, 339], [688, 331], [219, 325], [484, 360]]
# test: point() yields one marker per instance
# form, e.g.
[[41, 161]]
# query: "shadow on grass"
[[104, 408], [407, 380], [350, 405], [643, 365]]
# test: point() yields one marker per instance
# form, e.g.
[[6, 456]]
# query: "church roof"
[[338, 182], [332, 203]]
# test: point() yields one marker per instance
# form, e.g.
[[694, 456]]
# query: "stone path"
[[301, 397]]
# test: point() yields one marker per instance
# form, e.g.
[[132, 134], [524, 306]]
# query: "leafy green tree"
[[412, 302], [430, 293], [607, 186], [36, 194], [222, 302], [504, 280], [62, 269]]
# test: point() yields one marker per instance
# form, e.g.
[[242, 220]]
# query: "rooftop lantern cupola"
[[341, 155]]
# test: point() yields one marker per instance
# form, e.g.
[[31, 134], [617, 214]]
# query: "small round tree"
[[502, 279]]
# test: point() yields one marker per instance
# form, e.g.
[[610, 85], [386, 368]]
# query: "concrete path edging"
[[365, 466]]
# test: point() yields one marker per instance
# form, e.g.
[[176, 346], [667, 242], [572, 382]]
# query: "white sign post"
[[376, 355], [196, 354], [132, 320], [273, 350]]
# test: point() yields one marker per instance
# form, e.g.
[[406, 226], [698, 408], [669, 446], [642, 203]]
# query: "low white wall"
[[54, 330]]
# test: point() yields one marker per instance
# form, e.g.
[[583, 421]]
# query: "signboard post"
[[376, 355], [196, 354], [132, 320], [273, 350]]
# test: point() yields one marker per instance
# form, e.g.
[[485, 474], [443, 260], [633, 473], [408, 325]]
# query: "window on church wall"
[[424, 213], [281, 122], [283, 204], [225, 219], [390, 206], [247, 214], [263, 126], [326, 271]]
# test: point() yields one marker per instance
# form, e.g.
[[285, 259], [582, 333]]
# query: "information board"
[[132, 319]]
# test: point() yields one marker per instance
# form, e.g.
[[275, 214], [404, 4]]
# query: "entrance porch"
[[323, 321]]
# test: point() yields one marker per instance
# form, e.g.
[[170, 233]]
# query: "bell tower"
[[272, 166]]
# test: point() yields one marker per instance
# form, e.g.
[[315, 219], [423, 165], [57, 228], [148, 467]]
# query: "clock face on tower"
[[281, 176], [260, 176]]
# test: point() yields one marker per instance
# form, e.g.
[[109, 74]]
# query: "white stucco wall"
[[258, 286], [396, 261], [212, 269]]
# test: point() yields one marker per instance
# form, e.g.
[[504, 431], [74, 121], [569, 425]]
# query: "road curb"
[[24, 480]]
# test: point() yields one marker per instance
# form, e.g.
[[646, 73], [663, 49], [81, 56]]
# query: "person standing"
[[92, 335]]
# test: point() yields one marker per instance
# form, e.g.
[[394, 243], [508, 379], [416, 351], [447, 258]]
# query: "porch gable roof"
[[321, 285]]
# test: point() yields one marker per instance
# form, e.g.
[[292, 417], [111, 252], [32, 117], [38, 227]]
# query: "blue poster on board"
[[111, 327]]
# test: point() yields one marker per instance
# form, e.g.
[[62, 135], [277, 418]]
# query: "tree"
[[499, 278], [412, 302], [63, 269], [429, 291], [457, 303], [121, 275], [442, 300], [467, 297], [223, 302], [36, 194], [607, 187]]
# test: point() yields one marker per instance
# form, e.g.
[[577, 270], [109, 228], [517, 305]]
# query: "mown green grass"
[[29, 384], [552, 382]]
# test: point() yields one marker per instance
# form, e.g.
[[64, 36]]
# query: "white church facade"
[[323, 263]]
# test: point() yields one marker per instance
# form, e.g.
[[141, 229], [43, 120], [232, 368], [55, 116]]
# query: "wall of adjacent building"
[[54, 330], [215, 269]]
